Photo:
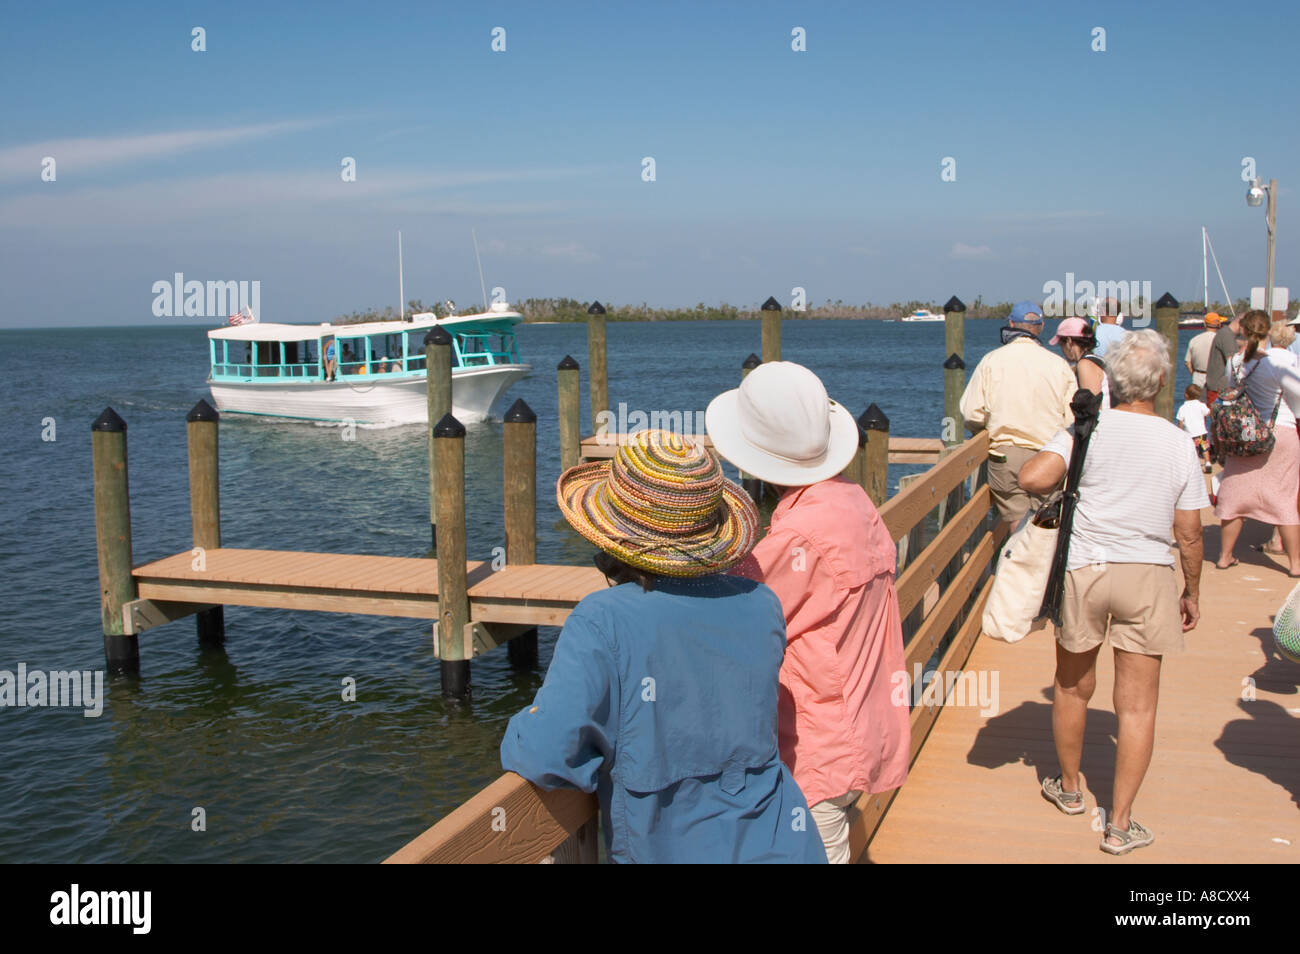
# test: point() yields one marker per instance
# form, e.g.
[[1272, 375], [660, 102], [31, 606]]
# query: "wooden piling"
[[1167, 326], [437, 368], [521, 511], [570, 411], [771, 330], [451, 642], [954, 327], [875, 463], [113, 539], [202, 425], [752, 485], [954, 383], [597, 369]]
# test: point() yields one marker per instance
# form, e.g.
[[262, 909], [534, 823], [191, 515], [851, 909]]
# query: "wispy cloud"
[[964, 252], [573, 252], [80, 155], [233, 195]]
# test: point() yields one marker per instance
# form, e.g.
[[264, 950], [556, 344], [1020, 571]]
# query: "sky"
[[774, 168]]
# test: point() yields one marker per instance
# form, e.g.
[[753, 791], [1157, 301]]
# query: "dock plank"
[[1224, 780]]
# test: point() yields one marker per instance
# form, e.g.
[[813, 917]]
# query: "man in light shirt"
[[1108, 330], [1020, 393], [1197, 358]]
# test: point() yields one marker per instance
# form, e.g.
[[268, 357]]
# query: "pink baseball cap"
[[1072, 328]]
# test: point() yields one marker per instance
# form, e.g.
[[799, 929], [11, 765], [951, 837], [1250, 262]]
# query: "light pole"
[[1254, 198]]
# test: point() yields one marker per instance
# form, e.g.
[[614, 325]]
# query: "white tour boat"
[[278, 370], [922, 315]]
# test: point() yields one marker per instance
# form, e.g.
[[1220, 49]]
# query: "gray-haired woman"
[[1141, 479]]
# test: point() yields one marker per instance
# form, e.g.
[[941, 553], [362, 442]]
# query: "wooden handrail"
[[513, 820], [906, 509]]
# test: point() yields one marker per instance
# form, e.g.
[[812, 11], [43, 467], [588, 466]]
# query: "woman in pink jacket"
[[830, 560]]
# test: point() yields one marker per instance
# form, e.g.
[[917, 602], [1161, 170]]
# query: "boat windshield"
[[264, 359]]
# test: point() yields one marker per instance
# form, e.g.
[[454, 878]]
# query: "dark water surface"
[[258, 735]]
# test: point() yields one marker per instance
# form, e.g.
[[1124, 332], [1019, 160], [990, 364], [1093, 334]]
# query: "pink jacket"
[[830, 560]]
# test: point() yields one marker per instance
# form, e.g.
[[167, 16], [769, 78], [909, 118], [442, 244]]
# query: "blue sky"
[[774, 168]]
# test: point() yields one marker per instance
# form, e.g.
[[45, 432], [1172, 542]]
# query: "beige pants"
[[1012, 502], [832, 818]]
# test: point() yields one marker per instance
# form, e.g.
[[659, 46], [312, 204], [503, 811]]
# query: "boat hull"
[[475, 394]]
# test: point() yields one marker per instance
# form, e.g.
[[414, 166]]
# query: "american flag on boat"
[[242, 317]]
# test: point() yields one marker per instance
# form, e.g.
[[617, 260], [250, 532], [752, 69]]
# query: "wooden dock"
[[533, 595], [902, 450], [1224, 781]]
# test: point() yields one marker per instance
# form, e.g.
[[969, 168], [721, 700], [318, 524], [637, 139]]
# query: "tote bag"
[[1236, 428], [1021, 578]]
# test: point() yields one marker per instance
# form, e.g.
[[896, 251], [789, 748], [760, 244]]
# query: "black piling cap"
[[752, 362], [437, 336], [1167, 301], [873, 419], [954, 363], [771, 305], [596, 308], [203, 411], [954, 304], [862, 436], [109, 421], [449, 427], [520, 413], [568, 364]]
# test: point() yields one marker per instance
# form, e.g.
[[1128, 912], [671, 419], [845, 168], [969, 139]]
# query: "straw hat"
[[780, 426], [661, 505]]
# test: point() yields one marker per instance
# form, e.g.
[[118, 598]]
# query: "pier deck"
[[1224, 781], [537, 595], [902, 450]]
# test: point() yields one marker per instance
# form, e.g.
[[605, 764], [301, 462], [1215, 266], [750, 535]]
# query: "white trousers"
[[832, 818]]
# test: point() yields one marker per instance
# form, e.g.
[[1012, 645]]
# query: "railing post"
[[113, 539], [437, 370], [201, 431], [597, 369], [521, 511], [570, 411], [752, 485], [875, 461], [771, 330], [451, 642], [1167, 325]]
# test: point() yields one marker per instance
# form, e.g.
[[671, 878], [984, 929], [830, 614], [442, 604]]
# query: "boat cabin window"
[[476, 349], [415, 350]]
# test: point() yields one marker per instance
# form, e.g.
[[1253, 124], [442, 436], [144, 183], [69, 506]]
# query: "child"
[[1191, 418]]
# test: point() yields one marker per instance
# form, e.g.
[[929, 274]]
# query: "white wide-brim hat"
[[781, 427]]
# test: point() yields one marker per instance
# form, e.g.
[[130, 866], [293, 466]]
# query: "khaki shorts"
[[1136, 602], [1012, 502]]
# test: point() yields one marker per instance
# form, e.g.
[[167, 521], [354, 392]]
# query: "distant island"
[[537, 310]]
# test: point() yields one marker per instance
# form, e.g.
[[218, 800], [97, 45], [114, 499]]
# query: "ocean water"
[[257, 733]]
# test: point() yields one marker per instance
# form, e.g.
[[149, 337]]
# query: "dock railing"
[[942, 585]]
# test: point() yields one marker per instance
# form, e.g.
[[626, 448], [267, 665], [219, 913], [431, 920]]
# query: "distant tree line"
[[571, 309]]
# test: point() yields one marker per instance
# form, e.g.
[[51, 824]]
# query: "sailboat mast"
[[481, 286], [401, 289], [1205, 269]]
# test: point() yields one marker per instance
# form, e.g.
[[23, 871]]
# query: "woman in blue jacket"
[[662, 693]]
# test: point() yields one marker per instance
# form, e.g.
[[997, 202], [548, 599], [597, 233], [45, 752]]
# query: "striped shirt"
[[1139, 470]]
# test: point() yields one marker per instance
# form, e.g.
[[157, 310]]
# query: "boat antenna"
[[401, 290], [482, 287], [1210, 245]]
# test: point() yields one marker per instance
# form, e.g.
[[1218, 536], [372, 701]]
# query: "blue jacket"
[[665, 704]]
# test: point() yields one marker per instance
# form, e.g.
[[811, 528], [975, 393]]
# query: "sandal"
[[1069, 802], [1234, 562], [1265, 548], [1135, 837]]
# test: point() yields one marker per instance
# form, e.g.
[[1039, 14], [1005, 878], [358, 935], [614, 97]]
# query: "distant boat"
[[922, 315], [276, 370]]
